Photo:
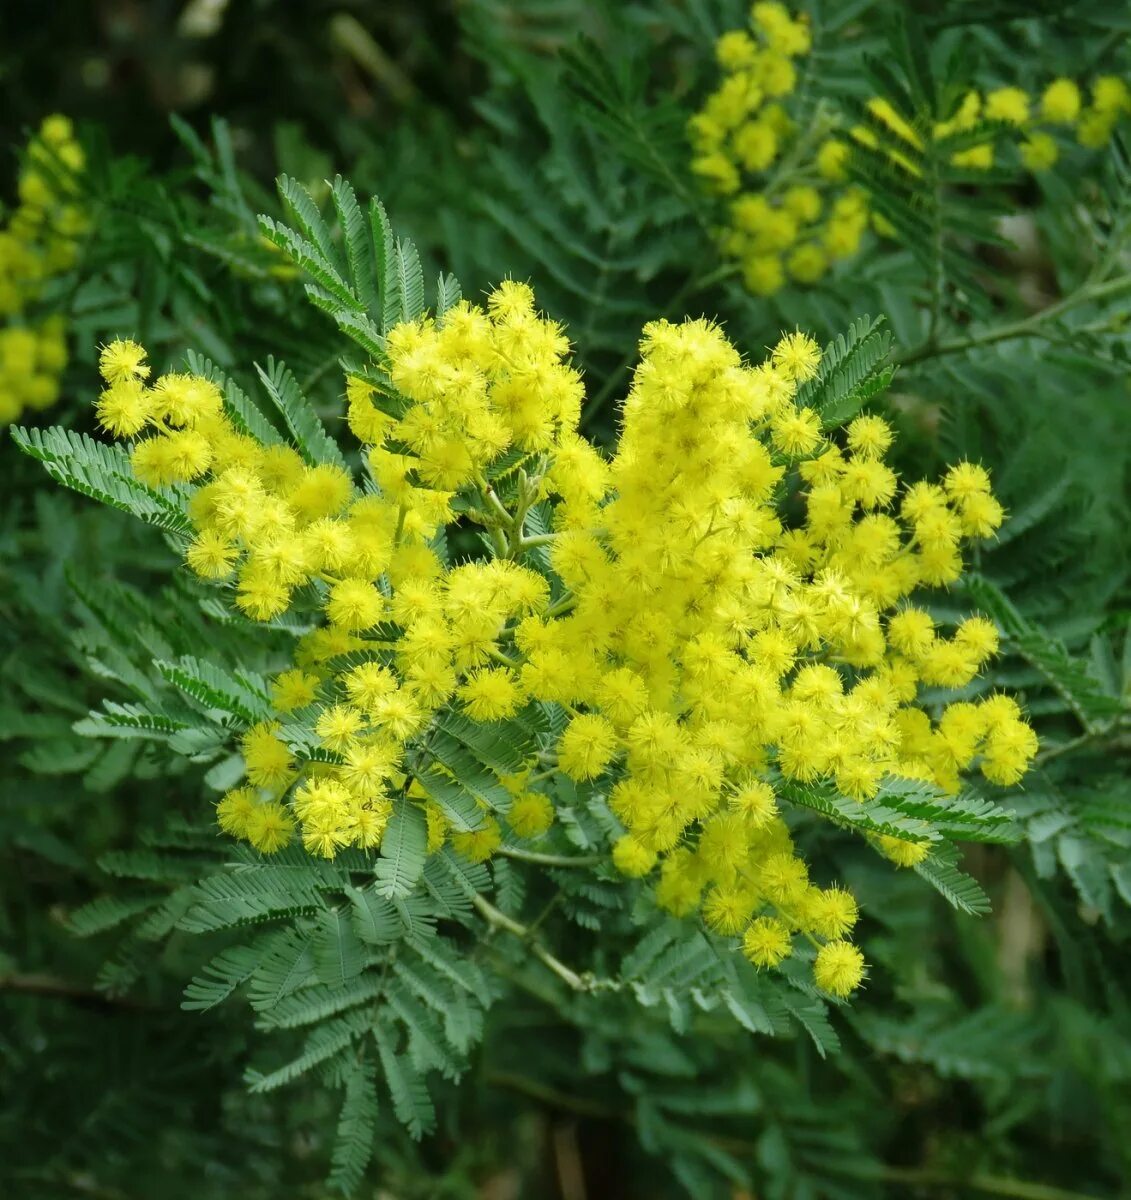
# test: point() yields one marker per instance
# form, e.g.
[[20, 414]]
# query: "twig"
[[551, 860], [1028, 327], [553, 1098], [987, 1185], [1108, 736], [499, 920], [33, 984], [562, 605]]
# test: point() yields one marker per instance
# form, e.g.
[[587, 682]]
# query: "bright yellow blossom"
[[705, 655]]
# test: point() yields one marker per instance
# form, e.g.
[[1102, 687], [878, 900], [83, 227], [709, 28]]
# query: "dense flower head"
[[38, 242], [721, 614], [791, 211]]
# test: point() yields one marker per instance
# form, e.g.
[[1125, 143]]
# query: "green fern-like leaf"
[[102, 472], [220, 977], [216, 690], [128, 721], [457, 803], [337, 950], [105, 912], [357, 1127], [403, 851], [1071, 678], [483, 784], [309, 1005], [411, 1101], [309, 434], [325, 1042], [225, 901], [851, 372], [286, 964], [940, 870], [374, 917]]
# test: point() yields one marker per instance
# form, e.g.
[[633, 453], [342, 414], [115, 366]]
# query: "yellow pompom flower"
[[211, 555], [587, 746], [869, 437], [339, 726], [235, 811], [1007, 104], [1111, 95], [491, 694], [293, 689], [839, 968], [261, 597], [531, 815], [796, 431], [797, 357], [267, 759], [766, 942], [1039, 152], [479, 845], [355, 605], [122, 361], [632, 858], [124, 408], [763, 274], [1060, 102], [726, 910], [807, 263], [725, 613], [269, 827], [903, 852], [831, 913], [831, 160], [38, 243]]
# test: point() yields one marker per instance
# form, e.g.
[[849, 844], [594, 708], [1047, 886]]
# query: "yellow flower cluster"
[[1019, 118], [790, 223], [38, 243], [708, 655], [417, 635], [791, 211]]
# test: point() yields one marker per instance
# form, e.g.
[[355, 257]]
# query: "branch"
[[551, 860], [553, 1098], [499, 920], [988, 1185], [1030, 326], [34, 984]]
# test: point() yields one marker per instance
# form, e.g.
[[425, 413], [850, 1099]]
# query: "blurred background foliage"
[[545, 140]]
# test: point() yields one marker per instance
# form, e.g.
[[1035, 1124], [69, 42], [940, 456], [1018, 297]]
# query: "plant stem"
[[1109, 736], [1028, 327], [551, 860], [987, 1185], [62, 989], [499, 920], [493, 502], [561, 605], [552, 1097]]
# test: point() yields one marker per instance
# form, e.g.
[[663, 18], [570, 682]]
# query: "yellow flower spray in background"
[[791, 210], [709, 657], [39, 242]]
